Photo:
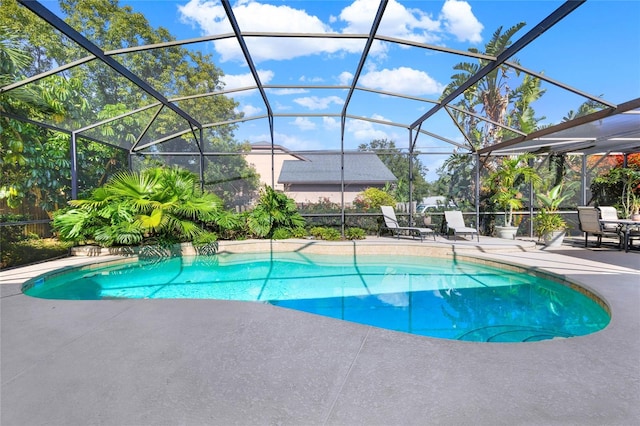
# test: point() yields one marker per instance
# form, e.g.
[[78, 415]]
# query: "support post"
[[583, 181], [201, 160], [74, 166], [477, 191]]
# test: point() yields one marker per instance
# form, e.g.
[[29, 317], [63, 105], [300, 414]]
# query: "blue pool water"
[[431, 297]]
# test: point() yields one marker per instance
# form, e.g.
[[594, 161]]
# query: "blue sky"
[[596, 50]]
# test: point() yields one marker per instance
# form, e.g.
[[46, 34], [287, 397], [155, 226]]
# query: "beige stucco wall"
[[313, 193], [261, 161]]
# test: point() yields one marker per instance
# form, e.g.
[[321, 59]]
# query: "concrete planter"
[[506, 232], [553, 239]]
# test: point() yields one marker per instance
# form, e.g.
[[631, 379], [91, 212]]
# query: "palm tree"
[[493, 96], [157, 204], [505, 181]]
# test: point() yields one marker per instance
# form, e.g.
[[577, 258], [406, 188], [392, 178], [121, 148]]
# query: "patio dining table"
[[626, 225]]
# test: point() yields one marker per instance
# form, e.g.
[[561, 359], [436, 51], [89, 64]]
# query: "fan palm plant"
[[156, 204]]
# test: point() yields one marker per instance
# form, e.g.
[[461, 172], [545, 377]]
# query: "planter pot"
[[635, 217], [553, 239], [507, 232]]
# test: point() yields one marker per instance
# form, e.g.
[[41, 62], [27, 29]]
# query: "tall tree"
[[173, 71], [492, 96], [398, 163], [35, 161]]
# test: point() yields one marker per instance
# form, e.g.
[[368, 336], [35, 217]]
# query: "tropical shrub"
[[373, 198], [11, 233], [354, 234], [323, 233], [619, 187], [299, 232], [159, 205], [548, 220], [506, 180], [281, 234], [274, 210], [324, 205], [32, 250]]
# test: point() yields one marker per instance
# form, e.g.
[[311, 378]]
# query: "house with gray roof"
[[317, 176]]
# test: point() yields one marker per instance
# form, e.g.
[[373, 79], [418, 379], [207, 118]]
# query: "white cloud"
[[330, 123], [402, 80], [303, 123], [281, 107], [246, 80], [345, 78], [311, 79], [398, 21], [291, 142], [249, 110], [379, 117], [256, 16], [460, 21], [287, 91], [364, 130], [315, 102], [456, 17]]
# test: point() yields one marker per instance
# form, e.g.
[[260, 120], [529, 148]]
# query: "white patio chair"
[[391, 222], [455, 223]]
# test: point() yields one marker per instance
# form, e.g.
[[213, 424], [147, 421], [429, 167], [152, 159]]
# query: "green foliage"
[[354, 234], [324, 233], [299, 232], [30, 170], [505, 182], [274, 210], [398, 164], [11, 233], [206, 243], [548, 220], [618, 187], [229, 176], [457, 176], [155, 204], [35, 161], [373, 198], [494, 96], [281, 234], [552, 200], [324, 205], [32, 250]]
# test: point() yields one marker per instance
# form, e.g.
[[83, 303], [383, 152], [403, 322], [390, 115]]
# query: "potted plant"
[[504, 183], [634, 207], [620, 186], [548, 224]]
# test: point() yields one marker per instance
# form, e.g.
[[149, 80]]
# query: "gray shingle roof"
[[359, 167]]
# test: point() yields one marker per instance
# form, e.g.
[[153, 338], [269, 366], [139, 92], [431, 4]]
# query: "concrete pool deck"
[[206, 362]]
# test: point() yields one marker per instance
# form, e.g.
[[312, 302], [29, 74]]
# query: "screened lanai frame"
[[613, 129]]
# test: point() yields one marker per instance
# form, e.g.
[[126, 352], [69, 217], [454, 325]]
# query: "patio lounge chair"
[[609, 213], [391, 223], [455, 223], [589, 220]]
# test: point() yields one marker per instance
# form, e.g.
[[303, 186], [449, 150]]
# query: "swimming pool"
[[436, 297]]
